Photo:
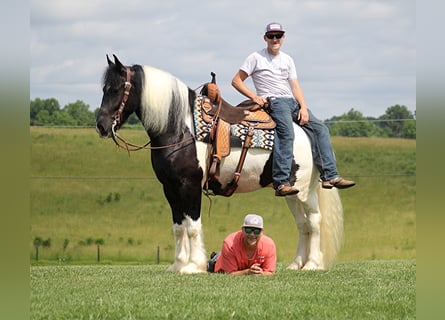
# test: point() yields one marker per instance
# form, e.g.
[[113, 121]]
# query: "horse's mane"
[[164, 101]]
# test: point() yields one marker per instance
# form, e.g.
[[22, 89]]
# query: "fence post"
[[98, 253], [158, 259]]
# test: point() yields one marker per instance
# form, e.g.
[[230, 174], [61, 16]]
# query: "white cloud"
[[357, 54]]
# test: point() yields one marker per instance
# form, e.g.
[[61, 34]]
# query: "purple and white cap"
[[274, 27]]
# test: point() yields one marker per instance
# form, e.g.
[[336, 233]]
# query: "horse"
[[164, 105]]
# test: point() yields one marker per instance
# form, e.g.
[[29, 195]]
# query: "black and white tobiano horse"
[[165, 105]]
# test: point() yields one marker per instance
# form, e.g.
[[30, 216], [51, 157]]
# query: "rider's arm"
[[240, 86], [303, 114]]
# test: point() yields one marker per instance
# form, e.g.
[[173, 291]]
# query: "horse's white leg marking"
[[315, 258], [181, 247], [197, 256], [313, 219], [306, 211], [303, 233]]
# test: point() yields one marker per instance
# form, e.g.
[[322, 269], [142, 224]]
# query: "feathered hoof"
[[311, 265], [297, 264], [192, 268], [175, 267], [294, 266]]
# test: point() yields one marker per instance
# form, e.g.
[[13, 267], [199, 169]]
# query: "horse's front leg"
[[197, 255], [181, 247]]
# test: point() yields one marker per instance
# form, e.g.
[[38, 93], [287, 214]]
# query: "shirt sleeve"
[[249, 64], [227, 260], [292, 70], [269, 253]]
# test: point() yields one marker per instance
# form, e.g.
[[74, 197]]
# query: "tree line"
[[396, 122]]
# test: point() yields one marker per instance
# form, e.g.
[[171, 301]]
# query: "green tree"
[[133, 119], [353, 124], [47, 106], [409, 129], [42, 118], [394, 121], [62, 118], [80, 112]]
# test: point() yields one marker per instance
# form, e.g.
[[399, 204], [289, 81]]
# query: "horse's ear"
[[110, 63], [118, 63]]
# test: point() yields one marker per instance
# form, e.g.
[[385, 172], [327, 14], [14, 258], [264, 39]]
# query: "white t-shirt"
[[270, 74]]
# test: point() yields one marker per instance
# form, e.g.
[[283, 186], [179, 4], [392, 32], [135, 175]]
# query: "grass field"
[[83, 189], [351, 290]]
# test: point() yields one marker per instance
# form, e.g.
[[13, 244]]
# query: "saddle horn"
[[213, 74], [213, 91]]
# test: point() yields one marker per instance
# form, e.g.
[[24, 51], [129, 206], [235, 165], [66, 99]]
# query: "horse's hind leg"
[[315, 258], [307, 218], [303, 233], [313, 219]]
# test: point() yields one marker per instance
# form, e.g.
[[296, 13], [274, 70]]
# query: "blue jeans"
[[322, 151], [212, 261], [284, 111]]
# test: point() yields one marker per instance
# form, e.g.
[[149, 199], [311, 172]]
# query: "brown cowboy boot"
[[337, 182], [286, 190]]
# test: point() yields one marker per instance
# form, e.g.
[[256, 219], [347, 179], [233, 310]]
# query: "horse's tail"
[[331, 233]]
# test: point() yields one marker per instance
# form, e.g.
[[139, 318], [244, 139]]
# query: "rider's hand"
[[259, 100], [303, 116]]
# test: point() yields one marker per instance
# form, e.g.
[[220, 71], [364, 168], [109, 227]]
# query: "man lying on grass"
[[247, 251]]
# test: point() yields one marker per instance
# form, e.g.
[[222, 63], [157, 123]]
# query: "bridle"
[[117, 120], [127, 88]]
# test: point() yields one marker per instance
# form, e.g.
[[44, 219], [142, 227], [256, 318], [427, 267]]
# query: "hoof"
[[172, 268], [311, 265], [192, 268], [297, 264], [294, 266]]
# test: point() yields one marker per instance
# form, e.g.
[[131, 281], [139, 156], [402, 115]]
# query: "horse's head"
[[120, 97]]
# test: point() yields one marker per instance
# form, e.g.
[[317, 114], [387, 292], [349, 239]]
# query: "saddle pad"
[[262, 138]]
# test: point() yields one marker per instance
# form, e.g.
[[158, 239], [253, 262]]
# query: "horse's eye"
[[110, 90]]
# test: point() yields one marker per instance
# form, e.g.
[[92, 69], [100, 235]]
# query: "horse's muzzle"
[[103, 133]]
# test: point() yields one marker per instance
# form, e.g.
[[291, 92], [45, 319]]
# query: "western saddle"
[[220, 115]]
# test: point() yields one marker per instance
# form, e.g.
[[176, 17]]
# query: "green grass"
[[83, 187], [350, 290]]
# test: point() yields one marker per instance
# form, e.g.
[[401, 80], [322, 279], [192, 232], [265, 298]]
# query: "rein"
[[121, 142]]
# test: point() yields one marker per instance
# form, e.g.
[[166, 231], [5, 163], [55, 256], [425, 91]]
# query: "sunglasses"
[[274, 35], [254, 230]]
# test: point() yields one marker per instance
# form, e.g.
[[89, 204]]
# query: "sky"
[[355, 54]]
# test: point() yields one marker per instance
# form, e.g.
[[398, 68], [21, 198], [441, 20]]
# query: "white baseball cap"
[[253, 220]]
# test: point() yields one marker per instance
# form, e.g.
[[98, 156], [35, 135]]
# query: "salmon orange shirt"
[[233, 256]]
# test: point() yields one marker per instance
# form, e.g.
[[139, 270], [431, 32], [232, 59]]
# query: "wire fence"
[[368, 120], [371, 175], [139, 125]]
